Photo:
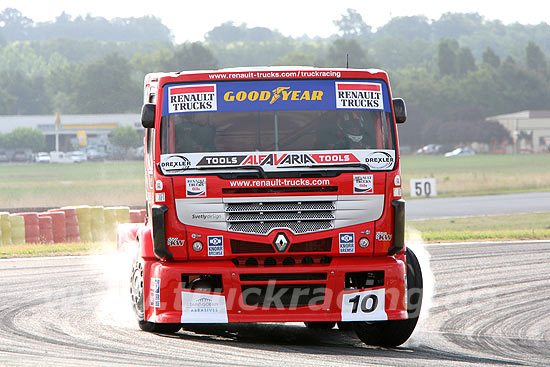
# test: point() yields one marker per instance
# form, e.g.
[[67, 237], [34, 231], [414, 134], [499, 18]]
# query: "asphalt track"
[[465, 206], [490, 307]]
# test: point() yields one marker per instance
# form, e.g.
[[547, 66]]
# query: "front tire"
[[392, 333], [136, 292]]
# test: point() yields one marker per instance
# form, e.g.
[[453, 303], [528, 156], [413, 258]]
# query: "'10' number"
[[365, 307]]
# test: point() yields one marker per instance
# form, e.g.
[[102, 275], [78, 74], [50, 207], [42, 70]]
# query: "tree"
[[344, 52], [491, 58], [352, 25], [192, 56], [15, 25], [106, 86], [446, 56], [27, 93], [536, 60], [455, 25], [464, 61], [125, 137], [25, 138], [296, 58], [408, 27], [228, 32]]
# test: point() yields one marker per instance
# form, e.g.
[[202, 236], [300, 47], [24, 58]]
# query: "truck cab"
[[274, 195]]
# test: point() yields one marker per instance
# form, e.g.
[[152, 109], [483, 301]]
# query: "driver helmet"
[[352, 126]]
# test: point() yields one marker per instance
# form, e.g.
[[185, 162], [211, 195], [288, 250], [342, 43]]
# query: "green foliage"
[[343, 52], [147, 28], [125, 137], [228, 32], [446, 56], [106, 86], [191, 56], [491, 58], [25, 95], [449, 70], [23, 138], [351, 24], [535, 59]]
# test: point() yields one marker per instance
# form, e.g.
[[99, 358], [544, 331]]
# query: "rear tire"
[[320, 325], [392, 333], [136, 292]]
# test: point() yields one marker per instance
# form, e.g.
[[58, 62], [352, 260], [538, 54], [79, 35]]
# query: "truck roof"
[[264, 73]]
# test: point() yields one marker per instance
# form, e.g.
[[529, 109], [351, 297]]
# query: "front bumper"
[[295, 293]]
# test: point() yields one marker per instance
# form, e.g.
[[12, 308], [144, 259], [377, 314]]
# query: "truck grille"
[[298, 217]]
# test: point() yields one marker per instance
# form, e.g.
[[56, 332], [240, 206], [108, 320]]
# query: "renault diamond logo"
[[281, 242]]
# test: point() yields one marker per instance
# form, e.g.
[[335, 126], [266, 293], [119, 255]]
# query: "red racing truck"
[[274, 195]]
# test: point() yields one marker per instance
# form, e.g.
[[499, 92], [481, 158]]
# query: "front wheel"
[[136, 292], [392, 333]]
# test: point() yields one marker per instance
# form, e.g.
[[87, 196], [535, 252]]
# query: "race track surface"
[[490, 306], [466, 206]]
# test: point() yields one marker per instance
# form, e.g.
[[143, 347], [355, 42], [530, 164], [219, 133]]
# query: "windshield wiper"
[[341, 165]]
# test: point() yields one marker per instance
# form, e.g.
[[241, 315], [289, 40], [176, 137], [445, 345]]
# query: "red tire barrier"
[[58, 225], [32, 227], [137, 216], [71, 224], [46, 229]]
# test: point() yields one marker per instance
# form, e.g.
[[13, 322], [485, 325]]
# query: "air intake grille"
[[298, 217], [279, 207]]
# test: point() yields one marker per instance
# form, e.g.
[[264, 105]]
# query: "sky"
[[190, 20]]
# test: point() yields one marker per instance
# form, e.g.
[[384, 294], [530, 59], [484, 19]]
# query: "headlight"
[[364, 242], [197, 246]]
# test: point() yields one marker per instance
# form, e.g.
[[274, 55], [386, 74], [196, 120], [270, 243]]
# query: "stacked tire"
[[72, 230], [58, 225], [17, 224], [32, 227], [46, 228], [97, 214], [110, 223], [137, 216], [83, 214], [5, 228]]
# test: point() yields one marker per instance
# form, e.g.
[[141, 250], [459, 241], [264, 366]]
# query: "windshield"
[[277, 125], [260, 131]]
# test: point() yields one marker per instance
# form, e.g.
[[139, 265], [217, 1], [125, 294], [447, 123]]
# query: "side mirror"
[[400, 110], [148, 115]]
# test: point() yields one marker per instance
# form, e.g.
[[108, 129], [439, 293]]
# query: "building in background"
[[529, 129], [76, 132]]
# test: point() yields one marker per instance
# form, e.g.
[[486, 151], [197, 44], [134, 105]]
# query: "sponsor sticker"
[[154, 299], [203, 308], [215, 245], [174, 242], [380, 160], [359, 95], [347, 243], [208, 217], [192, 98], [174, 163], [368, 305], [195, 187], [383, 236], [363, 184], [160, 197], [158, 185], [271, 161]]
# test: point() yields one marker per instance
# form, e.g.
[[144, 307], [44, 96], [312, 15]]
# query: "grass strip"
[[534, 226], [56, 249]]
